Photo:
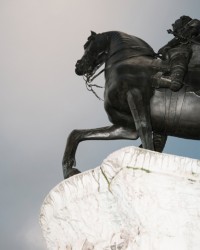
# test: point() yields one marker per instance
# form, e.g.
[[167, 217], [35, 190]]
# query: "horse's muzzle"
[[78, 70]]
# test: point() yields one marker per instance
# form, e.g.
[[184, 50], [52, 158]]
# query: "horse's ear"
[[93, 33]]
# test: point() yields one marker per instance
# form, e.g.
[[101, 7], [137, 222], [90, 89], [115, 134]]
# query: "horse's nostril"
[[78, 72], [78, 62]]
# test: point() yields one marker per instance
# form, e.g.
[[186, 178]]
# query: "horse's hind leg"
[[140, 110], [159, 142], [114, 132]]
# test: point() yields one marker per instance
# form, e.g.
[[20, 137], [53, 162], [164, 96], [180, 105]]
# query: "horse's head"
[[94, 56]]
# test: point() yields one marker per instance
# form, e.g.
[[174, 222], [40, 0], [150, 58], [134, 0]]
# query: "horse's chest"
[[116, 106], [116, 96]]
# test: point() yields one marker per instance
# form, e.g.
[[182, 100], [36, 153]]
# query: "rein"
[[89, 86], [87, 78]]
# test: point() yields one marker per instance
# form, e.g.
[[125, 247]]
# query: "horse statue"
[[133, 105]]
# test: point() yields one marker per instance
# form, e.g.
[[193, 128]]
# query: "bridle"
[[89, 77]]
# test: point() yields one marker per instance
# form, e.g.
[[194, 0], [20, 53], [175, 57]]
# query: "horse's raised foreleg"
[[106, 133], [140, 109]]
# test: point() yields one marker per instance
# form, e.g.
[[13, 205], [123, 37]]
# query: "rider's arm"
[[174, 42]]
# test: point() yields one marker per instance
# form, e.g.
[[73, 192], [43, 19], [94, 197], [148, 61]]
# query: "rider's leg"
[[179, 58]]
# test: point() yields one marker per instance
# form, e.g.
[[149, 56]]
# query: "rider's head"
[[179, 24]]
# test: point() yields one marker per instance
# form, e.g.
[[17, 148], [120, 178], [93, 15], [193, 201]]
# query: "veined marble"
[[136, 200]]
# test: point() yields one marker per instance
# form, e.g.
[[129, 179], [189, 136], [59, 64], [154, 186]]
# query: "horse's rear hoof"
[[70, 172]]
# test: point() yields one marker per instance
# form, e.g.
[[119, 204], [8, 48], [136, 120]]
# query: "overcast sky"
[[42, 99]]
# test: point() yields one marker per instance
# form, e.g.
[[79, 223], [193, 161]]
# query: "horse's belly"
[[118, 117], [176, 113]]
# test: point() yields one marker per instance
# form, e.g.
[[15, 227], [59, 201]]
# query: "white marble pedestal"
[[136, 200]]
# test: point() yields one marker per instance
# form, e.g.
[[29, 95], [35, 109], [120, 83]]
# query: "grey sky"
[[42, 99]]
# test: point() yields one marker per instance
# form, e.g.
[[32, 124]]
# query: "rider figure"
[[178, 51]]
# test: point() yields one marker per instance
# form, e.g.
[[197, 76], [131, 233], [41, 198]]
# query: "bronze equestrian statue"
[[141, 97]]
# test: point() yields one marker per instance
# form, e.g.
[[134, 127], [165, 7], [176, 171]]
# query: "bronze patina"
[[141, 96]]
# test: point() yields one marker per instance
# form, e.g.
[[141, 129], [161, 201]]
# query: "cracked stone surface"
[[137, 199]]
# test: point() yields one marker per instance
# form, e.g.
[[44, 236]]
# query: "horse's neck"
[[119, 41]]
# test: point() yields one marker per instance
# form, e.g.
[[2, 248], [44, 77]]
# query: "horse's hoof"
[[70, 172]]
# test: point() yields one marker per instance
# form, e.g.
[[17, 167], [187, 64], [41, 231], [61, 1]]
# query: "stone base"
[[136, 200]]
